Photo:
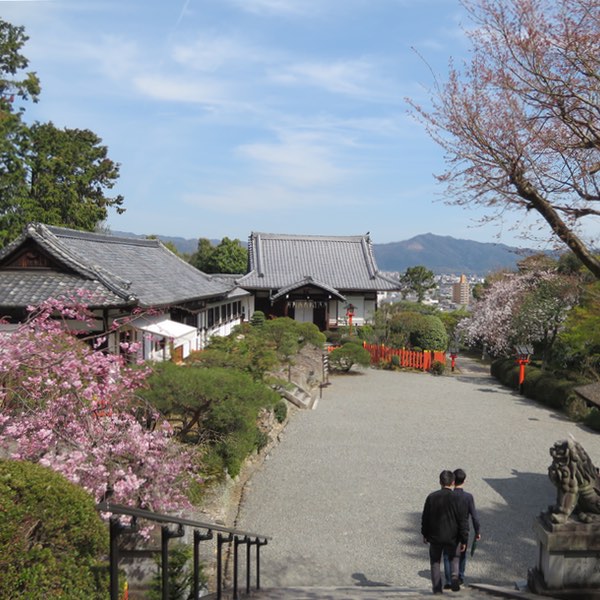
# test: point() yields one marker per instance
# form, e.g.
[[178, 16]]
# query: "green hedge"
[[554, 390], [592, 420], [506, 371], [52, 541]]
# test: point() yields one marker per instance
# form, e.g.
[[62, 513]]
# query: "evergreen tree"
[[55, 176]]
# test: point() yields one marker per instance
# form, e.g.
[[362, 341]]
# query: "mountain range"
[[440, 254], [445, 254]]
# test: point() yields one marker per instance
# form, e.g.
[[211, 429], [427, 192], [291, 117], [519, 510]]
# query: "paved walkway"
[[382, 593], [343, 492]]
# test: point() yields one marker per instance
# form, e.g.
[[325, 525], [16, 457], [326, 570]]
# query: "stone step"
[[297, 396], [479, 592]]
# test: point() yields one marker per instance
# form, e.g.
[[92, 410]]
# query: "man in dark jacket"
[[467, 503], [444, 526]]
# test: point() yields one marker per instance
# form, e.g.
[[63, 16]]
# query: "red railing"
[[406, 358]]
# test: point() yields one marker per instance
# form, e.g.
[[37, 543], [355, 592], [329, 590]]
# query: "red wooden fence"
[[406, 358]]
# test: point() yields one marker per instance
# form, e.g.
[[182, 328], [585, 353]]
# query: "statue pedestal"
[[568, 559]]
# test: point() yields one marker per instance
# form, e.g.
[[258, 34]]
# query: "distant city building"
[[461, 291]]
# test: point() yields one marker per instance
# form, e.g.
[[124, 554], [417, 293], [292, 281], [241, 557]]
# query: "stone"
[[577, 483], [568, 533]]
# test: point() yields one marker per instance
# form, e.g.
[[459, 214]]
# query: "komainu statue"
[[577, 482]]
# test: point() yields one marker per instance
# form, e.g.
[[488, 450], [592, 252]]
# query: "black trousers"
[[435, 559]]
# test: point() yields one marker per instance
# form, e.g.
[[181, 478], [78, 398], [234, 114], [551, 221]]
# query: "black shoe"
[[447, 586], [455, 586], [461, 581]]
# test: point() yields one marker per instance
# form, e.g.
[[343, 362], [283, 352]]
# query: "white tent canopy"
[[163, 326], [176, 333]]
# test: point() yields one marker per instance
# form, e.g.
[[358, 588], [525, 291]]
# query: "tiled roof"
[[137, 271], [306, 281], [22, 288], [341, 262]]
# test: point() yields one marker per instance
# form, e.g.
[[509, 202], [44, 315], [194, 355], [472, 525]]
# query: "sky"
[[278, 116]]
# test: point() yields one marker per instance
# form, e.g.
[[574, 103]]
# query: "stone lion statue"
[[577, 482]]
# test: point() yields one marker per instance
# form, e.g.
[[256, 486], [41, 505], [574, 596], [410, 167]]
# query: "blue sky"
[[232, 116]]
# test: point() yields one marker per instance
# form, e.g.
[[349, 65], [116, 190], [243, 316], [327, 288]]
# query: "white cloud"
[[297, 169], [348, 77], [348, 130], [211, 52], [115, 57], [170, 88], [300, 161], [263, 197], [278, 7]]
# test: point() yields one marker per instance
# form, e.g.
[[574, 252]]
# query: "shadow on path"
[[362, 581], [342, 494]]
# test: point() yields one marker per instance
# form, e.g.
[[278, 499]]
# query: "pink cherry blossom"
[[72, 407]]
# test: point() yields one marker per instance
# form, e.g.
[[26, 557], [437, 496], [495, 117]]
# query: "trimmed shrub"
[[532, 378], [549, 392], [234, 420], [593, 419], [309, 333], [366, 333], [576, 408], [244, 349], [52, 541], [387, 365], [344, 358], [218, 405], [411, 328], [429, 333], [400, 327], [279, 332], [506, 371], [280, 411], [560, 392], [258, 318], [333, 336], [438, 367]]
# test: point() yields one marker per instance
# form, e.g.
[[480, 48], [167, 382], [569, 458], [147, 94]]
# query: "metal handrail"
[[235, 536], [120, 509]]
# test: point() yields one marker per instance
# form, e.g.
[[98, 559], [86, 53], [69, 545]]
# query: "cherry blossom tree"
[[528, 307], [544, 310], [520, 122], [71, 407]]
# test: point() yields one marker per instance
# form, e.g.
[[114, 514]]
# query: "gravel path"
[[342, 494]]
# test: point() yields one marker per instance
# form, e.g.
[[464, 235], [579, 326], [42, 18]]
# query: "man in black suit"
[[445, 527], [467, 502]]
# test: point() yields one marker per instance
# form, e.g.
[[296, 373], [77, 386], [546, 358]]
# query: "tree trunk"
[[536, 201]]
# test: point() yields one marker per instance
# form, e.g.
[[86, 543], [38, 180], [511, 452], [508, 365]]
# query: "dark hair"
[[446, 478], [459, 477]]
